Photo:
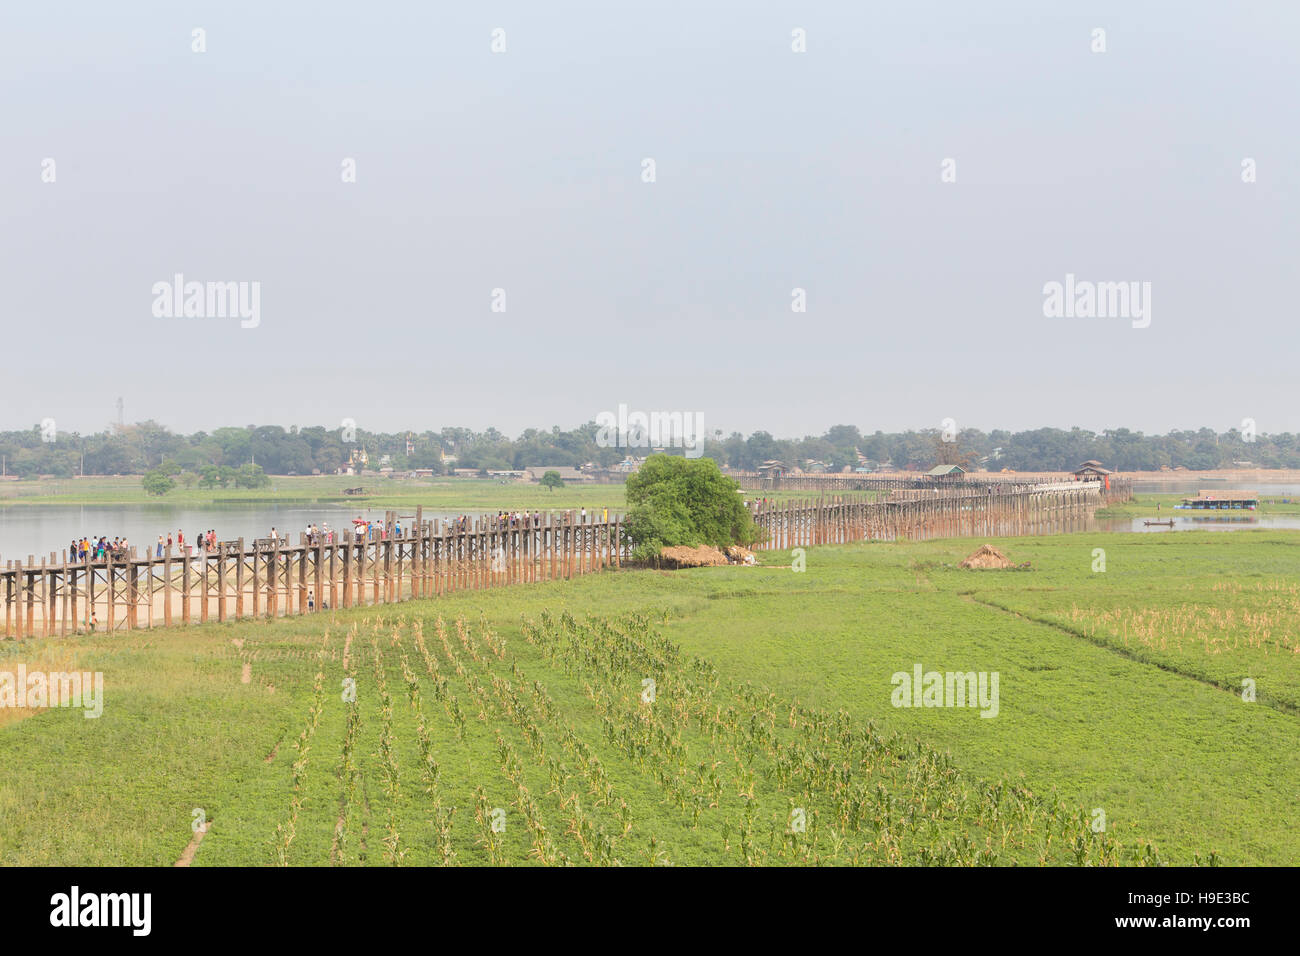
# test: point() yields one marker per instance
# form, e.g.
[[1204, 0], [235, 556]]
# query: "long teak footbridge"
[[271, 578]]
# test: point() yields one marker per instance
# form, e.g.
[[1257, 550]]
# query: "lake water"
[[1231, 521], [1185, 522], [40, 529]]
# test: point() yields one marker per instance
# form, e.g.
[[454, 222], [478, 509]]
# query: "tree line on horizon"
[[149, 446]]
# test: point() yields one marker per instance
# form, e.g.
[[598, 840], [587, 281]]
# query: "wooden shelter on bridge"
[[1091, 470], [947, 473]]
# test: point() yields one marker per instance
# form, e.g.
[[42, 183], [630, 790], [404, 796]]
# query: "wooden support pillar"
[[273, 581], [205, 586], [239, 580], [347, 568], [221, 585], [72, 583], [110, 581], [18, 581], [257, 581], [47, 600]]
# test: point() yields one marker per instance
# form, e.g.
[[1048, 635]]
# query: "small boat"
[[1168, 524]]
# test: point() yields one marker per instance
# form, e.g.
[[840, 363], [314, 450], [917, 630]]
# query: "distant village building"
[[772, 468]]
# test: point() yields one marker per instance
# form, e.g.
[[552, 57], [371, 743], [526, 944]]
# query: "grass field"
[[1120, 692]]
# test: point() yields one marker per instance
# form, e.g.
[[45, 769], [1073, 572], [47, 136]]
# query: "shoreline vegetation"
[[486, 494], [144, 446]]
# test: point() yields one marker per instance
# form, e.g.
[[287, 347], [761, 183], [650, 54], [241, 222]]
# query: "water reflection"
[[39, 529], [1184, 522]]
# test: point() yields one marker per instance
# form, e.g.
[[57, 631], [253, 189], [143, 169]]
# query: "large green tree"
[[684, 501], [157, 482]]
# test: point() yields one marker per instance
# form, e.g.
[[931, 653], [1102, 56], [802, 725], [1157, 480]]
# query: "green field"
[[1120, 692]]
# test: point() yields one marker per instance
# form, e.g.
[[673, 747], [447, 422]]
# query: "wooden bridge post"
[[74, 574], [418, 553], [257, 580], [205, 586], [300, 556], [548, 541], [221, 583], [376, 565], [111, 583], [318, 572], [273, 580], [347, 567], [44, 577], [18, 591], [239, 579]]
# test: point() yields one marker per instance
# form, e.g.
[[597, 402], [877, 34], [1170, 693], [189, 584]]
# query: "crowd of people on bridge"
[[97, 549], [100, 548]]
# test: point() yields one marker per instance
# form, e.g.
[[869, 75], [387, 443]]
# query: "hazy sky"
[[774, 170]]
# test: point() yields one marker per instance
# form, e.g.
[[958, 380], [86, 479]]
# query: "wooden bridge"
[[919, 514], [271, 577]]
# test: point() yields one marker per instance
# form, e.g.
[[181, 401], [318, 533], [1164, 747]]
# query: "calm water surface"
[[40, 529]]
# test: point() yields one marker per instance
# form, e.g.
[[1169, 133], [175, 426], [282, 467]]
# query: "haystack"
[[987, 556], [682, 556], [738, 555]]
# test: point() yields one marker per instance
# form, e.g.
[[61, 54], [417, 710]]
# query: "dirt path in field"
[[188, 856], [1235, 690]]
